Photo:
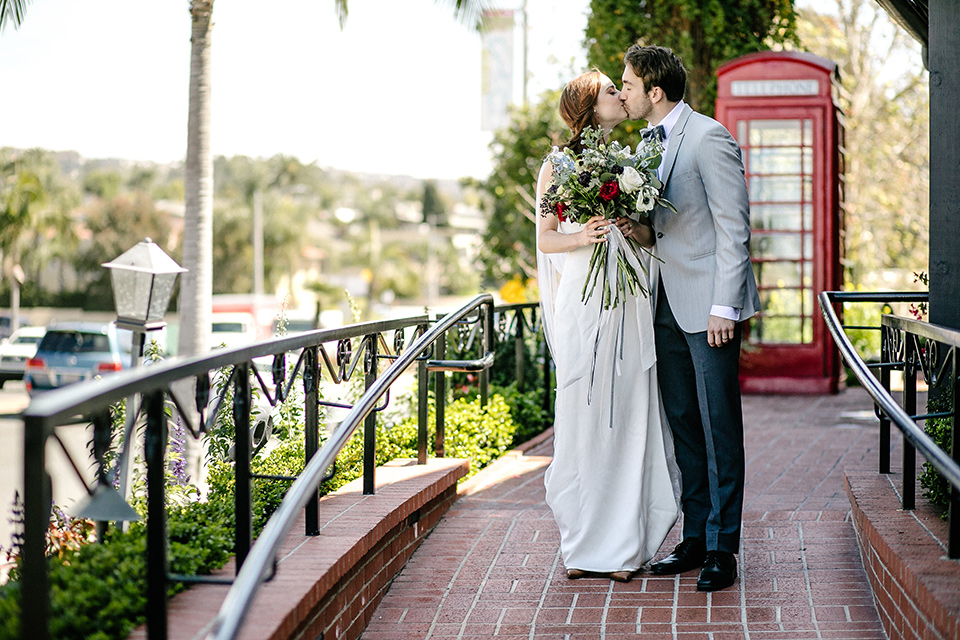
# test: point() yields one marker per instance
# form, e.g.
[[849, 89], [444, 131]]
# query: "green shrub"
[[479, 434], [527, 412], [99, 590], [936, 487]]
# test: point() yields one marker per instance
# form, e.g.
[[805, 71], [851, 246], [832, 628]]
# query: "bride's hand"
[[595, 231]]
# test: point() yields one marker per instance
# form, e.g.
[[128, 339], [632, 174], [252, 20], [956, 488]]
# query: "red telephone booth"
[[782, 109]]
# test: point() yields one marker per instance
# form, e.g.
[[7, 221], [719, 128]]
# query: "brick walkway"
[[492, 568]]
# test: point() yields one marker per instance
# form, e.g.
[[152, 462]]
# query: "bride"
[[612, 484]]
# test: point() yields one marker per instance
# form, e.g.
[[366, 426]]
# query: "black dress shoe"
[[719, 571], [687, 555]]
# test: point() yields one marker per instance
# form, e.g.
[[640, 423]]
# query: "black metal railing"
[[416, 340], [911, 347]]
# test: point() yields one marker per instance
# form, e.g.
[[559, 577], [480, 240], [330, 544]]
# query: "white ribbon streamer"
[[612, 350]]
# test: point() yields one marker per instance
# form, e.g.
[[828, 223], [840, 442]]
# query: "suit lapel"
[[676, 139]]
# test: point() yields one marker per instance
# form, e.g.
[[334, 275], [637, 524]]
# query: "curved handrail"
[[913, 433], [259, 562]]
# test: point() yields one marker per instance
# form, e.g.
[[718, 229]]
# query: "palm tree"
[[196, 286]]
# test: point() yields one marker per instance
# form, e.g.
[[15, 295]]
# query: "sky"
[[396, 91]]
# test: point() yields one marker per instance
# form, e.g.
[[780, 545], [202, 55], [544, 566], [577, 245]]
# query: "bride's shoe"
[[574, 574], [621, 576]]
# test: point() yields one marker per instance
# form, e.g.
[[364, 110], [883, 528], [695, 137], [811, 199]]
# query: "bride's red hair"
[[577, 104]]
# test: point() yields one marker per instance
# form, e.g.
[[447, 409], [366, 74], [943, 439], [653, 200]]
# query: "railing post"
[[910, 357], [154, 448], [519, 350], [886, 356], [35, 590], [953, 522], [440, 397], [423, 396], [243, 502], [311, 419], [547, 386], [101, 442], [370, 422], [486, 325]]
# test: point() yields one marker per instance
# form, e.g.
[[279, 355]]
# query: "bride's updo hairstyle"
[[577, 104]]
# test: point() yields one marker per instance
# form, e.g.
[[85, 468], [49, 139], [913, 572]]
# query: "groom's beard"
[[637, 113]]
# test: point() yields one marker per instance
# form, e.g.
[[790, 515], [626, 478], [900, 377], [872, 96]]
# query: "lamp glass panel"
[[131, 293], [162, 290]]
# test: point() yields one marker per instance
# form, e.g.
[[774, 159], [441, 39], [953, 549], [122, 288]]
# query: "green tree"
[[36, 225], [103, 183], [704, 33], [887, 120], [117, 225], [434, 210], [518, 150], [284, 235]]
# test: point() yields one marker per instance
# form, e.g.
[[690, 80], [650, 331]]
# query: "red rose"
[[561, 207], [609, 190]]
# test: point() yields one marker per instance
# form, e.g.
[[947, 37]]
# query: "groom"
[[706, 290]]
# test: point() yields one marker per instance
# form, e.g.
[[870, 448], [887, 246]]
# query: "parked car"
[[71, 352], [16, 350], [6, 326], [232, 329]]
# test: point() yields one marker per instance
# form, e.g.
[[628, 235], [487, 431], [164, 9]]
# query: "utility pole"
[[525, 36]]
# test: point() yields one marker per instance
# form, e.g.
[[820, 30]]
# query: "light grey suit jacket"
[[705, 246]]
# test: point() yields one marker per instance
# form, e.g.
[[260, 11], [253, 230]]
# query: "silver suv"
[[72, 352]]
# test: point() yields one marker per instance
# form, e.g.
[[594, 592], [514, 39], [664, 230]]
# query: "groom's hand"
[[719, 331]]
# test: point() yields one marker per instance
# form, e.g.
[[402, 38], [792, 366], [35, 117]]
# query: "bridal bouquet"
[[606, 179]]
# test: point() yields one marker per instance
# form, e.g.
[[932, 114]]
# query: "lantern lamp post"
[[142, 280]]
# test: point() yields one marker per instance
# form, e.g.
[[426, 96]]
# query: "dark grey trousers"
[[701, 395]]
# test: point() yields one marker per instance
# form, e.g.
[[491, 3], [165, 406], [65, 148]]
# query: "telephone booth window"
[[778, 156]]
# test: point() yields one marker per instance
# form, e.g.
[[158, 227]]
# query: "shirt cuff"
[[730, 313]]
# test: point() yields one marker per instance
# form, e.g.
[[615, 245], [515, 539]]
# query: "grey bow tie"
[[656, 133]]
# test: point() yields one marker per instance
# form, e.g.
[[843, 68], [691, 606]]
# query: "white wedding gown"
[[613, 484]]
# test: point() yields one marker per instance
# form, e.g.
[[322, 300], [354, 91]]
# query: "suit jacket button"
[[660, 234]]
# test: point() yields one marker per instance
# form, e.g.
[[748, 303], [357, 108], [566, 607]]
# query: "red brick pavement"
[[492, 568]]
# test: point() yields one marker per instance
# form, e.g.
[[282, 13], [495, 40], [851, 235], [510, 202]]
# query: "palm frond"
[[11, 11], [469, 12]]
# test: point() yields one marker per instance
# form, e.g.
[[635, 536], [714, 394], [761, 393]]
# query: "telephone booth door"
[[781, 107]]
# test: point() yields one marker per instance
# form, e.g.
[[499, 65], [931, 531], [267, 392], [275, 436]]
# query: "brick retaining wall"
[[915, 585], [328, 586]]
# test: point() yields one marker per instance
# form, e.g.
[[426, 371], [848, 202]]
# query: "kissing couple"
[[648, 423]]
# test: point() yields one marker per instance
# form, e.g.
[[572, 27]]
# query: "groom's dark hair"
[[658, 67]]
